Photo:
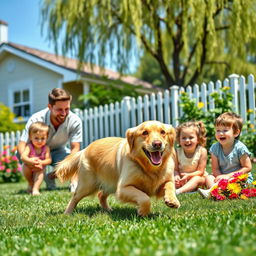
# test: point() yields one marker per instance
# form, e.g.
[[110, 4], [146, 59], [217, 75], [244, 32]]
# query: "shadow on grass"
[[117, 213], [24, 191]]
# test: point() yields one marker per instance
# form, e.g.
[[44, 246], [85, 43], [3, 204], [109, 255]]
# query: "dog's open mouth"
[[154, 157]]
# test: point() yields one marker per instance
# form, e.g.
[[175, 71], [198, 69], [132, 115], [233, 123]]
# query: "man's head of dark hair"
[[58, 94]]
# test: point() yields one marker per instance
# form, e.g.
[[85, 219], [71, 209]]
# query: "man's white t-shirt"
[[69, 131]]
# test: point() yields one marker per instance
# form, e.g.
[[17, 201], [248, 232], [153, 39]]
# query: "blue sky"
[[23, 18]]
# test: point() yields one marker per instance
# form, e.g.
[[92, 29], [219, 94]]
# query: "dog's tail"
[[68, 167]]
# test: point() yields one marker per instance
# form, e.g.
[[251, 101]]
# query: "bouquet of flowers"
[[10, 168], [235, 187]]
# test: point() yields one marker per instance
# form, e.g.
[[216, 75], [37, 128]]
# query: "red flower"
[[223, 184], [253, 192], [233, 180], [237, 174], [220, 197], [215, 192], [246, 192], [233, 196]]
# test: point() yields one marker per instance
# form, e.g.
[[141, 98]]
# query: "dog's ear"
[[130, 136], [171, 134]]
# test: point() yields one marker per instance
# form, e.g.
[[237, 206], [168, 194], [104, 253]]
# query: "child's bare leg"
[[209, 181], [73, 183], [38, 179], [28, 174], [191, 185]]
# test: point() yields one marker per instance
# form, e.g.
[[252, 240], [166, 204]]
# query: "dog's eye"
[[163, 132], [145, 133]]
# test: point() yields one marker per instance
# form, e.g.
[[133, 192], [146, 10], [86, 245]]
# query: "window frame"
[[20, 87]]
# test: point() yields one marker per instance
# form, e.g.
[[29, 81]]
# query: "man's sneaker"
[[205, 193], [72, 187], [50, 183]]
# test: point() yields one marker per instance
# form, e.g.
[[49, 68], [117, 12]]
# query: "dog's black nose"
[[157, 144]]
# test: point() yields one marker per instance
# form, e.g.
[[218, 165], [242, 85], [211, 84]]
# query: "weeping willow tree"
[[185, 37]]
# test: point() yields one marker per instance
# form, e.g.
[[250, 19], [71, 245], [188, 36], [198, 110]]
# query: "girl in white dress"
[[191, 157]]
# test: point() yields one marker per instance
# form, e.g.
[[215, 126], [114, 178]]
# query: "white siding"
[[14, 70]]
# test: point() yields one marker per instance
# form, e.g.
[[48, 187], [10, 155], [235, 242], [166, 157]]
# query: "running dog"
[[135, 168]]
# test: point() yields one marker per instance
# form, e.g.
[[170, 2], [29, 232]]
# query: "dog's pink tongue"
[[156, 157]]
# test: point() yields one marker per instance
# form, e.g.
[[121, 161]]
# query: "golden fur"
[[134, 168]]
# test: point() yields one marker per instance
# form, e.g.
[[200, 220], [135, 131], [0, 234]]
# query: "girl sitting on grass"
[[191, 157], [36, 156], [228, 155]]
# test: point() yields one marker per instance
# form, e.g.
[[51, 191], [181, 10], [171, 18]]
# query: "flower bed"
[[10, 168]]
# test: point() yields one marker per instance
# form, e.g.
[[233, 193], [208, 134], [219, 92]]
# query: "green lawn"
[[36, 226]]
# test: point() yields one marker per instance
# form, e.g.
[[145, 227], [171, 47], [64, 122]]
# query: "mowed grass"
[[37, 226]]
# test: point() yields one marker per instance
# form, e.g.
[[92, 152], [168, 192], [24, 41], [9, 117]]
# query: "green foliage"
[[186, 38], [37, 226], [10, 169], [6, 120], [249, 138], [106, 94], [150, 71], [193, 111]]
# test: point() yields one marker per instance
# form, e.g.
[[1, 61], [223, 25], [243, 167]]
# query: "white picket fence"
[[114, 119]]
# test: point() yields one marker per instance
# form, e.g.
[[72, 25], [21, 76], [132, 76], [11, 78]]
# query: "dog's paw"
[[173, 203], [144, 209]]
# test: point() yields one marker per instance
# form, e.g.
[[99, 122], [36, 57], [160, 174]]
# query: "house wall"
[[15, 72]]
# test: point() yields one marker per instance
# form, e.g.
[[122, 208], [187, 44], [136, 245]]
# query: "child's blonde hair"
[[199, 128], [230, 119], [38, 127]]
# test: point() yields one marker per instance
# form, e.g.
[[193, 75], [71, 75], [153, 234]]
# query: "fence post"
[[242, 89], [167, 116], [125, 114], [211, 100], [175, 104], [1, 142], [251, 90], [204, 96], [234, 87]]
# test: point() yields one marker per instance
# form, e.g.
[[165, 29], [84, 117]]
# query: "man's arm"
[[75, 147]]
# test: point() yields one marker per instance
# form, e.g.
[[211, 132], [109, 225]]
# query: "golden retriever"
[[135, 168]]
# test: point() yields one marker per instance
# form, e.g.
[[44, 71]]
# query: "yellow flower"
[[214, 187], [226, 88], [251, 126], [244, 197], [234, 188], [14, 149], [250, 110], [254, 182], [243, 176], [6, 147], [200, 104]]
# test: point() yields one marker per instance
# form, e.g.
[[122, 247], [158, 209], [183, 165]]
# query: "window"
[[20, 99], [21, 103]]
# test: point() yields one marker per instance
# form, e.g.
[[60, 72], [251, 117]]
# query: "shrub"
[[10, 169], [6, 120], [106, 94], [249, 138]]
